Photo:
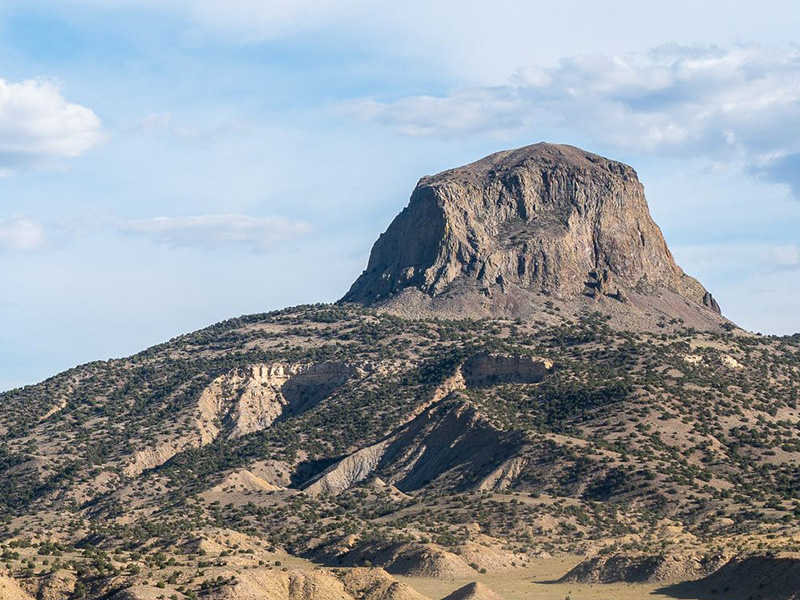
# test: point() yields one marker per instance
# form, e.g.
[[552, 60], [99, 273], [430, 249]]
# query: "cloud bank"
[[740, 103], [21, 234], [38, 125], [216, 231]]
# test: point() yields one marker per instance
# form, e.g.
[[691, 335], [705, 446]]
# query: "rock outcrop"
[[502, 235], [492, 369], [246, 400]]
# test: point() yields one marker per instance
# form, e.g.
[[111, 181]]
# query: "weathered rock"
[[490, 369], [709, 301], [494, 236], [246, 400]]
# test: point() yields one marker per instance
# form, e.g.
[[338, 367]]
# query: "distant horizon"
[[169, 165]]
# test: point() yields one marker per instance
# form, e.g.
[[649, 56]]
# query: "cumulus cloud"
[[21, 234], [675, 100], [38, 125], [216, 231]]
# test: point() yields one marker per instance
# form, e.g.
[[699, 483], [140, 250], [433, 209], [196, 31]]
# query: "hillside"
[[280, 451]]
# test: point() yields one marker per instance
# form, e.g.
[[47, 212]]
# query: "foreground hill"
[[215, 465], [435, 447]]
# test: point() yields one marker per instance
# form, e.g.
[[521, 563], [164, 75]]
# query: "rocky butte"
[[544, 223]]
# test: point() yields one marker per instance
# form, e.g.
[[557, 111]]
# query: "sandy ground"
[[534, 583]]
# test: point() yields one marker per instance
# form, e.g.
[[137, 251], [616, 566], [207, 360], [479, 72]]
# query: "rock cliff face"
[[502, 235]]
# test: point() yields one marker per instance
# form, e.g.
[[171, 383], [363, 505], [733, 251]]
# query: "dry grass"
[[535, 583]]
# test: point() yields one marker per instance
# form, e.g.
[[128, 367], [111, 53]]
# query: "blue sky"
[[165, 165]]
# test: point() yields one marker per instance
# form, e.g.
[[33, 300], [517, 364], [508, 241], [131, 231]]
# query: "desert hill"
[[295, 448]]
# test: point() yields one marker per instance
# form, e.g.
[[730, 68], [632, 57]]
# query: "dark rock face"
[[709, 301], [544, 219]]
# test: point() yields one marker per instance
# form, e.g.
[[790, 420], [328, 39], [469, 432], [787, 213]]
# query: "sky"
[[168, 164]]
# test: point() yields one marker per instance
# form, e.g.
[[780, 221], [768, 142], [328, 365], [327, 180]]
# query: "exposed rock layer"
[[545, 219]]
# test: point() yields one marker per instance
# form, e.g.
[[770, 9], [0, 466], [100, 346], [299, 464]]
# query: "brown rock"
[[541, 220]]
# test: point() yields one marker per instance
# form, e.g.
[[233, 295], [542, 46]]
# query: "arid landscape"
[[522, 397]]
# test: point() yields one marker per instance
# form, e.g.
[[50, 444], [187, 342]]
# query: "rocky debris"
[[473, 591], [10, 590], [759, 577], [377, 584], [499, 236], [643, 568]]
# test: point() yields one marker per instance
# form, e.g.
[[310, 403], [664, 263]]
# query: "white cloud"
[[215, 231], [21, 234], [675, 100], [38, 125], [496, 112], [787, 257]]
